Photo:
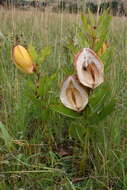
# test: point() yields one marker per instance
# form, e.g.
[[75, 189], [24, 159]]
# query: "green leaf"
[[91, 18], [83, 39], [65, 111], [103, 18], [86, 26], [99, 116], [32, 51], [45, 115], [103, 29], [99, 97], [45, 84], [45, 52], [5, 135]]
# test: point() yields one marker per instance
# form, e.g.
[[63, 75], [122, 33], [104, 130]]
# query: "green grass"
[[42, 155]]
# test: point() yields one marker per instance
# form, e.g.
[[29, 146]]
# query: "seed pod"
[[22, 59], [90, 70], [73, 95]]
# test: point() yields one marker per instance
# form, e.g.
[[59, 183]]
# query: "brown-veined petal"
[[73, 95], [90, 70]]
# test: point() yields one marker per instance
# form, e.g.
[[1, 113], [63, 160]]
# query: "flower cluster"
[[90, 74], [75, 89]]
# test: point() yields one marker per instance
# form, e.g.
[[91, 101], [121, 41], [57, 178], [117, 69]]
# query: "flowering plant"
[[86, 94]]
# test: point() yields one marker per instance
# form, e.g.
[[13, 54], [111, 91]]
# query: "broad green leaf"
[[5, 135], [106, 111], [32, 51], [99, 97], [65, 111]]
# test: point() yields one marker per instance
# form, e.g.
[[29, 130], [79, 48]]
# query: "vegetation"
[[44, 145], [115, 7]]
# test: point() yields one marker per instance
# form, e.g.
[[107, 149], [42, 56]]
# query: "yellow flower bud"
[[22, 59]]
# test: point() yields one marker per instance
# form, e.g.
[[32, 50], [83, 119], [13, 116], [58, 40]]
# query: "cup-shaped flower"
[[90, 70], [22, 59], [73, 95]]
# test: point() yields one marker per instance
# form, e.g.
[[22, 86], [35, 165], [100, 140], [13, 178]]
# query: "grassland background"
[[35, 164]]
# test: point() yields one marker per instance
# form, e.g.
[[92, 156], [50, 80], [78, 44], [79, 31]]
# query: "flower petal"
[[89, 68], [73, 95]]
